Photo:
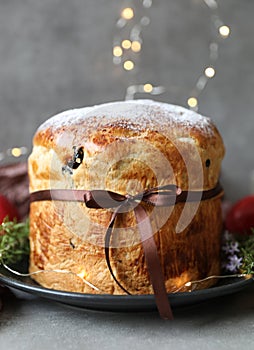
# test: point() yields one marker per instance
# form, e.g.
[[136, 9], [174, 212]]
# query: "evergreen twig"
[[14, 243]]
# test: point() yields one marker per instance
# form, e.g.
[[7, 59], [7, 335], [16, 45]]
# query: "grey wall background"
[[57, 54]]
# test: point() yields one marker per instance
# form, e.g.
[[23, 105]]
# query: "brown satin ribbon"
[[158, 196]]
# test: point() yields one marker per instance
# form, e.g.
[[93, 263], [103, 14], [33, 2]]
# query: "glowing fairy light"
[[82, 274], [128, 65], [136, 46], [16, 152], [127, 13], [192, 102], [224, 31], [117, 51], [132, 90], [132, 42], [126, 44], [190, 285], [148, 88], [210, 72]]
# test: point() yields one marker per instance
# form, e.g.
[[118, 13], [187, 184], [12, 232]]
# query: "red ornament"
[[7, 209], [240, 217]]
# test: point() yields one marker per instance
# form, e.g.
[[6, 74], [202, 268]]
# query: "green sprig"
[[246, 246], [14, 243]]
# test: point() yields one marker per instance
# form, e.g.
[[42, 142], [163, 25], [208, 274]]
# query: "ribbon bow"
[[158, 196], [161, 196]]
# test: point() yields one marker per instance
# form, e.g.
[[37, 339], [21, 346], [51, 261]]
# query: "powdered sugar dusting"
[[134, 114]]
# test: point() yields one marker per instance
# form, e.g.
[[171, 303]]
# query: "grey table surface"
[[28, 322]]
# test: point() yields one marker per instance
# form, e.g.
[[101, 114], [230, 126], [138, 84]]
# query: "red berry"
[[7, 209], [240, 218]]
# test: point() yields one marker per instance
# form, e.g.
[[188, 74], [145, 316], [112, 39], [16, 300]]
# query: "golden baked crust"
[[127, 147]]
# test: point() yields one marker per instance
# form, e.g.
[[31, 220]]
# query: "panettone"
[[127, 148]]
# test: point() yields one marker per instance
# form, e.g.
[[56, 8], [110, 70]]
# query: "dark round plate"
[[130, 303]]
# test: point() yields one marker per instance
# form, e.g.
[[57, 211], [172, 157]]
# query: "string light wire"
[[29, 274], [127, 49], [189, 286], [13, 153]]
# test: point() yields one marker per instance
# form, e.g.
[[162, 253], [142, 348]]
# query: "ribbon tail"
[[106, 248], [153, 263]]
